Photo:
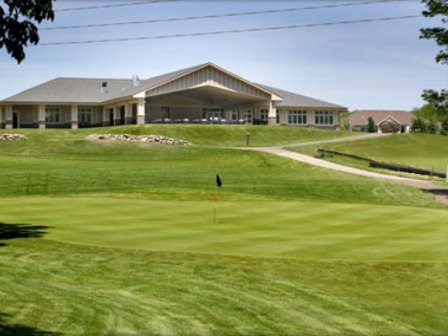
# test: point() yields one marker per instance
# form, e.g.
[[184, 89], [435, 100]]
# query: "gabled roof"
[[72, 90], [157, 80], [88, 90], [361, 117], [291, 99]]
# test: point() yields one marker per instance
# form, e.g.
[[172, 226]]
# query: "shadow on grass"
[[441, 194], [7, 329], [13, 231]]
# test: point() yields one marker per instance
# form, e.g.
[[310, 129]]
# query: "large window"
[[213, 114], [323, 118], [52, 115], [297, 117], [85, 115]]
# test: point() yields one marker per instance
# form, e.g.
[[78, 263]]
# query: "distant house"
[[201, 94], [386, 121]]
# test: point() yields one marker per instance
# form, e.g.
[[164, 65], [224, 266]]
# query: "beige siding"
[[28, 114], [96, 114], [208, 76]]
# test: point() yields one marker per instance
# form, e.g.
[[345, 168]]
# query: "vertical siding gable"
[[208, 76]]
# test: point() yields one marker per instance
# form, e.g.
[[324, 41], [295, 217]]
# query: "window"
[[234, 116], [248, 116], [52, 115], [264, 115], [277, 117], [297, 117], [323, 118], [213, 114], [85, 115]]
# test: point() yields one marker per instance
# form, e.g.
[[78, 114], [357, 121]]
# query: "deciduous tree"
[[18, 24]]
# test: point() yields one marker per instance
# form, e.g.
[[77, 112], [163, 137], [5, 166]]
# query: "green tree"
[[18, 24], [439, 34], [438, 101], [418, 125], [371, 127], [444, 128], [432, 127]]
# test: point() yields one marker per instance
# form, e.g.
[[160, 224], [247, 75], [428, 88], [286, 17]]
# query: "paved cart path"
[[441, 192]]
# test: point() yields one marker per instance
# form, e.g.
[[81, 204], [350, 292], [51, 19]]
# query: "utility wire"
[[236, 14], [123, 4], [236, 31]]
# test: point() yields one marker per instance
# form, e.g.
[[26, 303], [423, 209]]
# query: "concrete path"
[[345, 139], [441, 192]]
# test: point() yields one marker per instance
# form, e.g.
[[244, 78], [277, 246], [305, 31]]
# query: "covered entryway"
[[209, 94]]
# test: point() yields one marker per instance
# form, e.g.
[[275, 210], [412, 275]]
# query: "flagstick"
[[216, 200]]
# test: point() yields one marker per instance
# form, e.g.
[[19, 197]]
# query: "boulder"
[[160, 139]]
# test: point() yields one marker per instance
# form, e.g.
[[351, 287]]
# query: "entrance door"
[[15, 120], [111, 118]]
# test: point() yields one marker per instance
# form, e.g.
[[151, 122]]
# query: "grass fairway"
[[118, 239]]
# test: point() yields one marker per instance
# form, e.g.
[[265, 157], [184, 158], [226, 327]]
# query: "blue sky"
[[378, 65]]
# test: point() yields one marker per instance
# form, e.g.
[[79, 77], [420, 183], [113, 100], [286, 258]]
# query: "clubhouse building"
[[204, 93]]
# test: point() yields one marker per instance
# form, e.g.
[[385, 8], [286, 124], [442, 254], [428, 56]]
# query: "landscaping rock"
[[139, 138], [12, 137]]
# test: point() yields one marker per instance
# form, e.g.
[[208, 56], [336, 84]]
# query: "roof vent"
[[135, 80], [104, 88]]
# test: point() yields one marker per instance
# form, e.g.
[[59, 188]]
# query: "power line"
[[123, 4], [236, 14], [236, 31]]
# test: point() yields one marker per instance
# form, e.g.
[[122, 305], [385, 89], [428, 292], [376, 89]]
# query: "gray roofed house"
[[201, 94]]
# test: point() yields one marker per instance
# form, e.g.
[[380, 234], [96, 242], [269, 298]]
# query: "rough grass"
[[128, 245], [87, 290]]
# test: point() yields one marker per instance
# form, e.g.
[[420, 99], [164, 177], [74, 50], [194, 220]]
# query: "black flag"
[[218, 181]]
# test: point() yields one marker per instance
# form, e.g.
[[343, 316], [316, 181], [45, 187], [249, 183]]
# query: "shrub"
[[418, 125]]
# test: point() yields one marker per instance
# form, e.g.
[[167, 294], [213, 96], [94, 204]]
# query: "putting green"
[[265, 228]]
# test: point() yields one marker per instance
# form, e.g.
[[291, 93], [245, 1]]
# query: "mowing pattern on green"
[[276, 229]]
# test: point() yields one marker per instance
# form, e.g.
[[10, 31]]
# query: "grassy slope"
[[47, 165], [417, 150], [91, 290], [142, 198], [206, 135]]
